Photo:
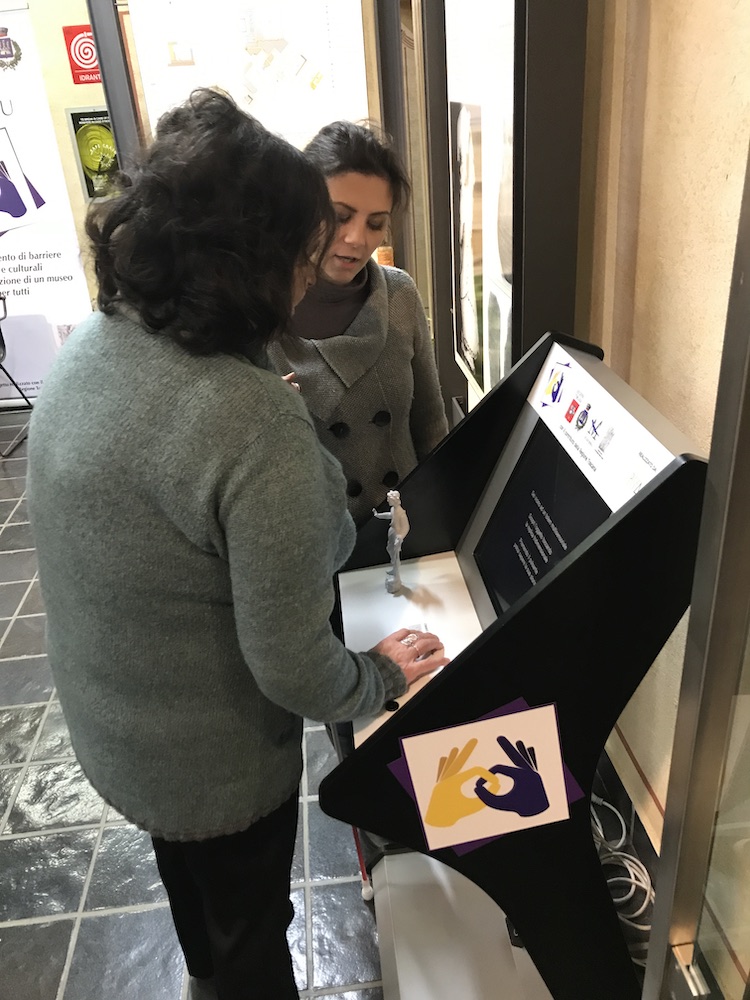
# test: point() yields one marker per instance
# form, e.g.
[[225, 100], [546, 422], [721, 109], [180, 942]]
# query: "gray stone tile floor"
[[83, 914]]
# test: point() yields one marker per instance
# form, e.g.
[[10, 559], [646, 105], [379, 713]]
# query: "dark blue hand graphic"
[[527, 797], [10, 200]]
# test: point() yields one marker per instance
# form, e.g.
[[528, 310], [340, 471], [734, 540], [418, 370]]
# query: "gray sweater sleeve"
[[282, 511]]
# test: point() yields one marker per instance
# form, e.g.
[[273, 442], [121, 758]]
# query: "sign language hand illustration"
[[448, 804], [527, 797]]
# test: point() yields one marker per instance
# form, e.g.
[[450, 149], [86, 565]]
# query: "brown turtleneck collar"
[[329, 309]]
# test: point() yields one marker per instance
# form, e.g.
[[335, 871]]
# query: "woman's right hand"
[[419, 656]]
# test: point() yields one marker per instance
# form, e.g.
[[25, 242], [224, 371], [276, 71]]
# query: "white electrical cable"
[[636, 877]]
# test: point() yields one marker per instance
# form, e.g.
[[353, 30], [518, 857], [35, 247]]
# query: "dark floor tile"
[[126, 956], [298, 862], [321, 758], [345, 950], [53, 795], [20, 512], [8, 781], [15, 464], [32, 958], [17, 565], [41, 876], [12, 489], [125, 872], [18, 727], [7, 507], [14, 417], [25, 681], [26, 637], [33, 604], [22, 448], [11, 423], [54, 739], [331, 846], [16, 536], [376, 993], [296, 936], [11, 595]]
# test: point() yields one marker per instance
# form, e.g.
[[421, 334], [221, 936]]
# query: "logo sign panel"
[[81, 49]]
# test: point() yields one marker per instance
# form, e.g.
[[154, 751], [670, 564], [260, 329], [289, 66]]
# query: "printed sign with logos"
[[615, 453], [81, 49], [41, 272]]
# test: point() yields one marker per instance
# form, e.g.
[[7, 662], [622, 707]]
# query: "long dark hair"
[[361, 148], [204, 236]]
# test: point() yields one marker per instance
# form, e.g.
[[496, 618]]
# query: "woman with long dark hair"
[[188, 527]]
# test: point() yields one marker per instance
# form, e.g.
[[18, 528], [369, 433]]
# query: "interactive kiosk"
[[551, 547]]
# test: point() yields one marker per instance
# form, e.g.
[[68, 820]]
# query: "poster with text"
[[41, 272], [94, 143]]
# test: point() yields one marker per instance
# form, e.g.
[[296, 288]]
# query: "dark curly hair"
[[203, 238], [361, 148]]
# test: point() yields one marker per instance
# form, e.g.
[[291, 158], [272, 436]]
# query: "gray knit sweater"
[[188, 527], [373, 391]]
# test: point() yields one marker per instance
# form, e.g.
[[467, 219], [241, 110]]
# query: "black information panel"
[[547, 508], [615, 519]]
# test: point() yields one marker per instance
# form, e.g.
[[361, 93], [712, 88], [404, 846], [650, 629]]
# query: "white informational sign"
[[41, 272], [614, 451], [293, 64], [489, 778]]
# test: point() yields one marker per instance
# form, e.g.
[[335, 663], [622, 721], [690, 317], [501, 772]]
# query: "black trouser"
[[230, 904]]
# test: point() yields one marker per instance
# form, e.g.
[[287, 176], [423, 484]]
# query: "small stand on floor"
[[21, 436]]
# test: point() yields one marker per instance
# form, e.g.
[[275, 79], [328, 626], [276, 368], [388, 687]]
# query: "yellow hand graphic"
[[448, 804]]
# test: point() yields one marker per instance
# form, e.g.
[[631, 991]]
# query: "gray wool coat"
[[373, 391], [188, 526]]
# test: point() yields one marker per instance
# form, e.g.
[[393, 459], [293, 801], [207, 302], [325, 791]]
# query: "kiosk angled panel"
[[581, 640], [557, 647]]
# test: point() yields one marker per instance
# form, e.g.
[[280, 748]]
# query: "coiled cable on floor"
[[630, 872]]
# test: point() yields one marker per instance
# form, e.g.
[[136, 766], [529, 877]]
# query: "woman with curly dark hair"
[[188, 526]]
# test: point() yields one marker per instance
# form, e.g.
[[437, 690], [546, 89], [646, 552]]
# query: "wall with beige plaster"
[[665, 149]]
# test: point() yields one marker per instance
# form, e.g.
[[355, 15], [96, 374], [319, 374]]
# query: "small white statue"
[[397, 531]]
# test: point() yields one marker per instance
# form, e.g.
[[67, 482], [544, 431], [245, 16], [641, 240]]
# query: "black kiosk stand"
[[570, 509]]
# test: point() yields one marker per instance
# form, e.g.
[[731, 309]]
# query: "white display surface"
[[440, 936], [434, 597]]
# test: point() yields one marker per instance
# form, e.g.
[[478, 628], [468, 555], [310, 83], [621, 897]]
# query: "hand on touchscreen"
[[417, 653]]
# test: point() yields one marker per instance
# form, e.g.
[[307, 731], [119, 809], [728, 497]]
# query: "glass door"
[[700, 944], [724, 923], [294, 64]]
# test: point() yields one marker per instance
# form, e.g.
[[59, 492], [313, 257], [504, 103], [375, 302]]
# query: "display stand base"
[[442, 937]]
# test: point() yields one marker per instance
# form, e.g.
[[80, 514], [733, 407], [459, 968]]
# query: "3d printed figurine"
[[397, 531]]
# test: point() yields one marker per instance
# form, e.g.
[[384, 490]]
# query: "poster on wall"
[[94, 143], [82, 56], [294, 64], [41, 273]]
